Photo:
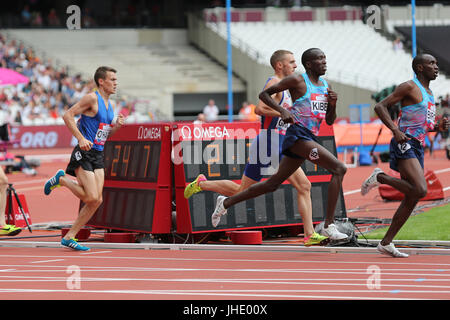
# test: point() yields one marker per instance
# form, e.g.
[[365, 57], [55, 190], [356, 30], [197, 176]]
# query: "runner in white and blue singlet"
[[272, 127], [417, 116], [86, 162], [313, 101]]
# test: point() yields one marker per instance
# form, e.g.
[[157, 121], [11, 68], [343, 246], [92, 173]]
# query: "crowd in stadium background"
[[49, 92]]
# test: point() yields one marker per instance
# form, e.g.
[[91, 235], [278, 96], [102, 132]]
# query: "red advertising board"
[[34, 137]]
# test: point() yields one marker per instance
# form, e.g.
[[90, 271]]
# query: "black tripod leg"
[[10, 202], [374, 157]]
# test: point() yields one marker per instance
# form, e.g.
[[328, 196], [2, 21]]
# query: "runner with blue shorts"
[[268, 141], [314, 101], [417, 117]]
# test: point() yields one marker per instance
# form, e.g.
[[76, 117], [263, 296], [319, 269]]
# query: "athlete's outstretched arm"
[[381, 109]]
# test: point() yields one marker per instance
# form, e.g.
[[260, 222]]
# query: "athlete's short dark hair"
[[278, 56], [419, 59], [309, 55], [100, 73]]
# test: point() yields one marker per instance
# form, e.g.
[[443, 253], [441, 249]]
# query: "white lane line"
[[238, 280], [113, 268], [352, 192], [17, 183], [94, 252], [379, 263], [214, 294], [50, 157], [85, 269], [60, 268], [317, 282], [45, 261], [30, 188], [442, 170]]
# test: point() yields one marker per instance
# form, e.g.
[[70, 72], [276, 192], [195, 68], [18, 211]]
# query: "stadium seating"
[[151, 72], [433, 40], [356, 54]]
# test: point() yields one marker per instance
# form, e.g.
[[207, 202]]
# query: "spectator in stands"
[[53, 19], [126, 107], [36, 19], [87, 19], [79, 92], [44, 79], [296, 3], [26, 16], [211, 111], [31, 112], [247, 112], [13, 107], [216, 3], [4, 115], [200, 119], [52, 111], [397, 45]]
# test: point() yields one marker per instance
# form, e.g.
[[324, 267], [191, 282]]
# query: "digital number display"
[[132, 160], [126, 209], [226, 159], [137, 194]]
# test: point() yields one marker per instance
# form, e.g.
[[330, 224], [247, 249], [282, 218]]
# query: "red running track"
[[45, 273], [61, 205], [49, 273]]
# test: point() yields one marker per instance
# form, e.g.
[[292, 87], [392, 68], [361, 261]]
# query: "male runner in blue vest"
[[417, 117], [86, 162], [313, 101]]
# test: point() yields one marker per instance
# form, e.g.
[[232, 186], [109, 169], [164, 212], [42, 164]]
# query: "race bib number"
[[431, 116], [281, 127], [102, 133], [405, 146], [319, 104]]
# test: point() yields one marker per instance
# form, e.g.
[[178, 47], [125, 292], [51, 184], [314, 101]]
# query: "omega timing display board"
[[137, 194], [219, 151]]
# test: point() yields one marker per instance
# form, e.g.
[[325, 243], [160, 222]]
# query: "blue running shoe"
[[53, 182], [73, 244]]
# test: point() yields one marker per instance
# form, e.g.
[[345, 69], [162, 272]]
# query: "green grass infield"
[[431, 225]]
